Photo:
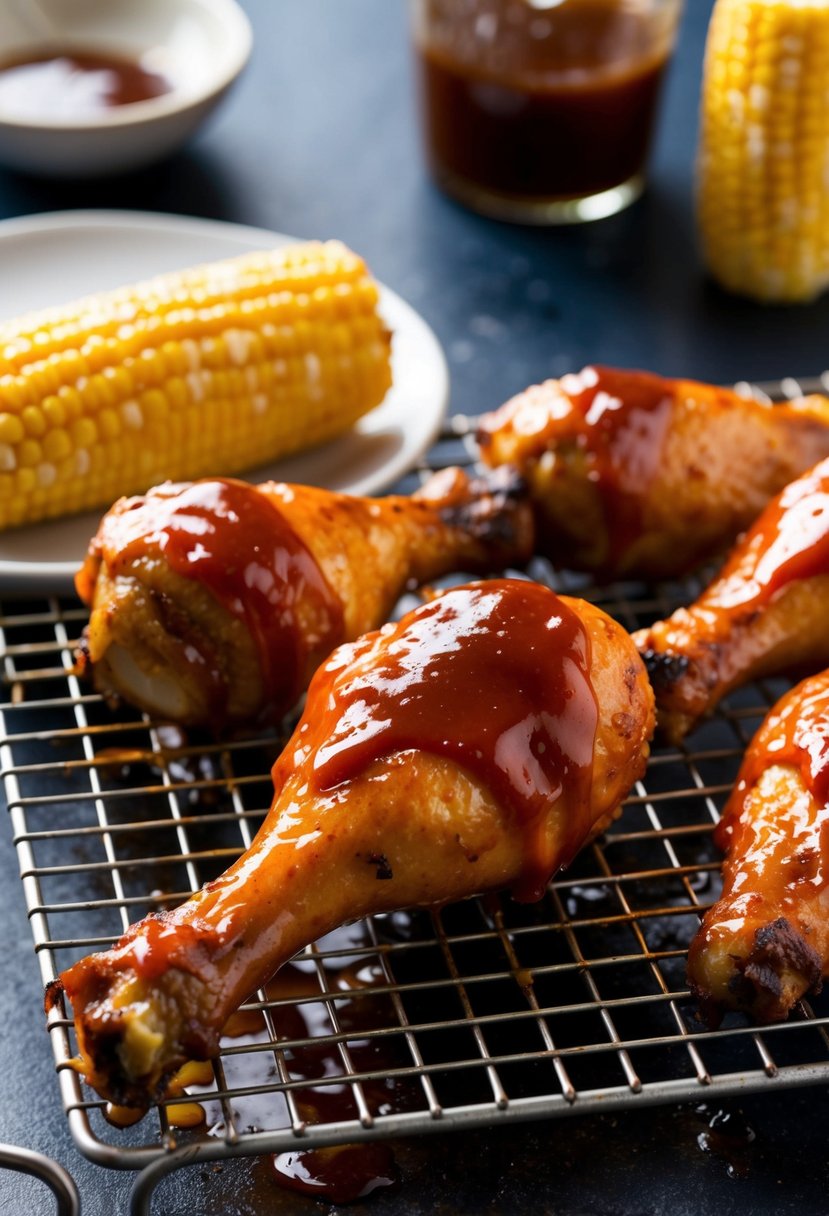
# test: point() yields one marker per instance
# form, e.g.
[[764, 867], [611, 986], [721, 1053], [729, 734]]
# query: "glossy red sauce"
[[795, 733], [153, 946], [789, 541], [298, 1016], [558, 102], [626, 416], [234, 540], [620, 419], [494, 676]]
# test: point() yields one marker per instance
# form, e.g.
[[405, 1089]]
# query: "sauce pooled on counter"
[[494, 676], [542, 103], [342, 1173], [233, 539], [74, 84], [789, 541]]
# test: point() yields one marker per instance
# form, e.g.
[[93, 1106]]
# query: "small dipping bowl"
[[198, 48]]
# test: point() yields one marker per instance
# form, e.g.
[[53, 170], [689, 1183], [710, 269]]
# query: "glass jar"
[[541, 111]]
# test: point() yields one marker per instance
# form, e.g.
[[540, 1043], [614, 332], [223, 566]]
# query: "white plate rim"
[[24, 577]]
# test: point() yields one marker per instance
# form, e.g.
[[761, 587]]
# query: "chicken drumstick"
[[764, 614], [476, 744], [633, 475], [765, 943], [213, 602]]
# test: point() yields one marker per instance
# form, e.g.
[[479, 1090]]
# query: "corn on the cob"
[[763, 172], [207, 371]]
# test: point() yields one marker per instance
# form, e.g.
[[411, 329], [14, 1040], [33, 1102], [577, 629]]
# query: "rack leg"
[[48, 1171], [141, 1194]]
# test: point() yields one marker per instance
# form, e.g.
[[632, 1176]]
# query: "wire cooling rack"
[[62, 1186], [403, 1023]]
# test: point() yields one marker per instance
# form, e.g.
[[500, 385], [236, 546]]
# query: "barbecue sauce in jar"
[[534, 102]]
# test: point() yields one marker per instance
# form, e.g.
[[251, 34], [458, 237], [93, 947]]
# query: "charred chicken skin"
[[476, 744], [765, 943], [213, 602], [764, 614], [633, 475]]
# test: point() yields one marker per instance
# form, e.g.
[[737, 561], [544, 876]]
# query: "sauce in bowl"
[[74, 84]]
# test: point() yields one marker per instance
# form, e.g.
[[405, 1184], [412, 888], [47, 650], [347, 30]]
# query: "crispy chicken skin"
[[639, 476], [764, 614], [765, 943], [436, 759], [285, 573]]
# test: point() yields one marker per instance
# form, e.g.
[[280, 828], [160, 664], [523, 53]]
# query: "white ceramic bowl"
[[200, 46]]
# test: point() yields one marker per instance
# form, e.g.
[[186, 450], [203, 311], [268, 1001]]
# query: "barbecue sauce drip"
[[495, 677], [297, 1011], [625, 419], [619, 420], [556, 103], [234, 540], [795, 733], [73, 84], [789, 541]]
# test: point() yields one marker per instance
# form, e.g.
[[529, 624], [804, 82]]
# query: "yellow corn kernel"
[[29, 453], [25, 481], [11, 429], [54, 411], [208, 371], [762, 202], [84, 432], [57, 445], [109, 424], [33, 421]]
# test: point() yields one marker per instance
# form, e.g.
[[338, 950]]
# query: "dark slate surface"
[[320, 139]]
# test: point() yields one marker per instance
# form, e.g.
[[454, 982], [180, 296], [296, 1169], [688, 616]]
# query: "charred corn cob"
[[210, 370], [763, 172]]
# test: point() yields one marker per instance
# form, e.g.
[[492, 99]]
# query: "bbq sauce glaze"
[[789, 541], [495, 677], [795, 733], [776, 871], [233, 539], [619, 420], [622, 417]]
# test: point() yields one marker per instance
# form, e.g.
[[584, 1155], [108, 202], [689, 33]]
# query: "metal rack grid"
[[404, 1023]]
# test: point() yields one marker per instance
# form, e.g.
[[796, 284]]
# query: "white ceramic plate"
[[50, 259]]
